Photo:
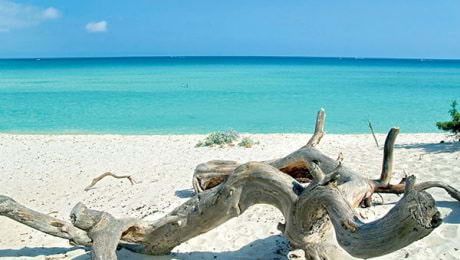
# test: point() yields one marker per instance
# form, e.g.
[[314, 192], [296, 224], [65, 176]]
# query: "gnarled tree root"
[[313, 192]]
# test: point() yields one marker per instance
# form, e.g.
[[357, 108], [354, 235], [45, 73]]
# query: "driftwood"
[[373, 134], [315, 193], [102, 176]]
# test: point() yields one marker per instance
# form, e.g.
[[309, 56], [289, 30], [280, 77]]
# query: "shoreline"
[[48, 173], [204, 134]]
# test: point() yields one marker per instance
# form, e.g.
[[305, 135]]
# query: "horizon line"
[[232, 56]]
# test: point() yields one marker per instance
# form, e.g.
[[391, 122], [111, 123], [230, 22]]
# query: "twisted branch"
[[102, 176]]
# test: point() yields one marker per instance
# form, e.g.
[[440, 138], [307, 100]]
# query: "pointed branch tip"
[[319, 129], [387, 167]]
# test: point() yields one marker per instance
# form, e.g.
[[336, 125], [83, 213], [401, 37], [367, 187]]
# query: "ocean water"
[[181, 95]]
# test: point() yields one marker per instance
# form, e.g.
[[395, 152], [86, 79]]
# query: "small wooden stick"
[[373, 134], [97, 179]]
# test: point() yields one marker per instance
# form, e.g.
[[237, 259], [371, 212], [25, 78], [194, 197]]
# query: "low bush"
[[225, 138], [219, 138], [247, 142]]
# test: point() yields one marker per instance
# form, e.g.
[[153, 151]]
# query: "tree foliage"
[[452, 126]]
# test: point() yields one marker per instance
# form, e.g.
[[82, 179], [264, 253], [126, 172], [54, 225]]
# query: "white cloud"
[[16, 16], [51, 13], [96, 26]]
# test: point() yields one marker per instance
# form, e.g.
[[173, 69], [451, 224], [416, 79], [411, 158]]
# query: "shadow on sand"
[[183, 194], [272, 247], [448, 147], [454, 215], [36, 251]]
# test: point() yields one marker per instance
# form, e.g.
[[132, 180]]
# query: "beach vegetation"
[[219, 138], [247, 142], [226, 138], [452, 126]]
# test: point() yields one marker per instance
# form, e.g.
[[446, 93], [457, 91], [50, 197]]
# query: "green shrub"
[[454, 125], [247, 142], [219, 138]]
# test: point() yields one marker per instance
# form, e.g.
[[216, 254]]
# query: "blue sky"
[[336, 28]]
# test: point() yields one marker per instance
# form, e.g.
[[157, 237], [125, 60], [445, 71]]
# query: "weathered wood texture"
[[315, 194], [42, 222]]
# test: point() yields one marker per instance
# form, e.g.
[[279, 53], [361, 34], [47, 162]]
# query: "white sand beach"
[[49, 173]]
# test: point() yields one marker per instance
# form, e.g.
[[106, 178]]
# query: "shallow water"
[[202, 94]]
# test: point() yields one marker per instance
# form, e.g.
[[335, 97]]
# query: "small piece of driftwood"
[[373, 134], [102, 176]]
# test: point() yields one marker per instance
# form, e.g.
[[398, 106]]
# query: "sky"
[[333, 28]]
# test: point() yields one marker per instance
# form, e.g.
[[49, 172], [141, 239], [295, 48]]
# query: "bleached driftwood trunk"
[[315, 193]]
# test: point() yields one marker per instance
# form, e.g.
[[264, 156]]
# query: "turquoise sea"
[[181, 95]]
